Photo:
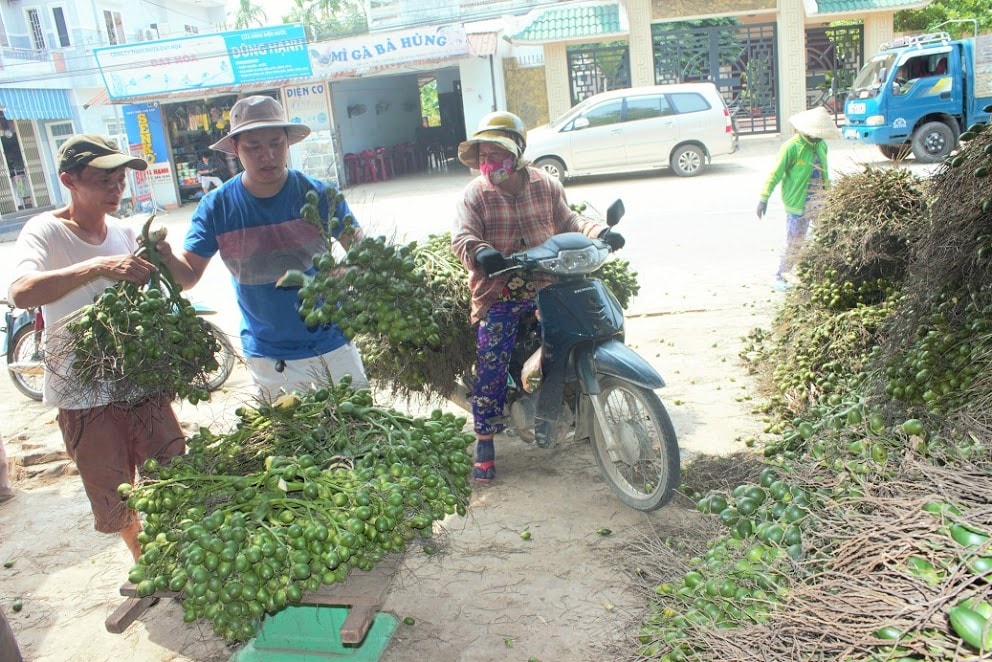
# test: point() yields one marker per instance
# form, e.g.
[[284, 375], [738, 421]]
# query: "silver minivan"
[[679, 126]]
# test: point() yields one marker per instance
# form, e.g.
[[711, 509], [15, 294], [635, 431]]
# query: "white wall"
[[397, 119], [477, 89]]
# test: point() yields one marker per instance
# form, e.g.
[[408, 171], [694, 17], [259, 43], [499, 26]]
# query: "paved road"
[[685, 236]]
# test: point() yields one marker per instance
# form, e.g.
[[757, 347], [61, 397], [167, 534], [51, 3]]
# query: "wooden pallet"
[[363, 593]]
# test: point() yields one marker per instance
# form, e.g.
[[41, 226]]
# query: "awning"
[[101, 98], [25, 104]]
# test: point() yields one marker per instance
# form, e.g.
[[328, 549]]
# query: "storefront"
[[33, 123], [356, 94], [176, 97]]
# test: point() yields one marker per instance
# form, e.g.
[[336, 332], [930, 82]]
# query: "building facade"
[[162, 76]]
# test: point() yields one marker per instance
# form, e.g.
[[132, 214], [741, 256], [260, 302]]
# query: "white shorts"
[[304, 374]]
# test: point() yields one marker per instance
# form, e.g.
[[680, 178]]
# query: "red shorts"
[[109, 443]]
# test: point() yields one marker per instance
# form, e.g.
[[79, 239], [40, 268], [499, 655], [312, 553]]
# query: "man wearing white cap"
[[254, 221], [802, 170]]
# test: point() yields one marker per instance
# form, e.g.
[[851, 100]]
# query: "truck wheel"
[[932, 142], [894, 152]]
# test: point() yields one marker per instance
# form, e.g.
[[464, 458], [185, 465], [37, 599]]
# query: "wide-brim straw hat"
[[815, 123], [259, 112], [468, 150]]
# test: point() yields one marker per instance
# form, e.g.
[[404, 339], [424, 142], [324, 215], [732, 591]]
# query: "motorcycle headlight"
[[575, 262]]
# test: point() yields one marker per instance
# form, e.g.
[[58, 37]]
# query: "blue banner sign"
[[145, 132], [204, 61]]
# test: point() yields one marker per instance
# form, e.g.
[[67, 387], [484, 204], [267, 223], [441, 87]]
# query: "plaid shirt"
[[487, 216]]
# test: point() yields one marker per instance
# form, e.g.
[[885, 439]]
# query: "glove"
[[613, 239], [762, 207], [490, 260]]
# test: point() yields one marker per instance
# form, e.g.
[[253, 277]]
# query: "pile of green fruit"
[[406, 306], [300, 493], [135, 341]]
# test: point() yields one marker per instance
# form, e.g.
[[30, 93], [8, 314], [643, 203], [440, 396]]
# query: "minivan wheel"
[[553, 167], [688, 161]]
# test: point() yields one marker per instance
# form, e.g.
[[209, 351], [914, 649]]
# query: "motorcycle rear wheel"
[[225, 359], [643, 468], [27, 369]]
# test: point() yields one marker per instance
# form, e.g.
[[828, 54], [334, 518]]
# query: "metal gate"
[[596, 68], [739, 59], [834, 56]]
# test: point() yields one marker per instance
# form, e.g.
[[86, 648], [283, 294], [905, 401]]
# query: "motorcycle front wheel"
[[27, 368], [642, 465]]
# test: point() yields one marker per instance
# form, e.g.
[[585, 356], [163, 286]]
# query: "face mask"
[[497, 173]]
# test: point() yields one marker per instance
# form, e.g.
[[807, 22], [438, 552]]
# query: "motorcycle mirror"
[[614, 213]]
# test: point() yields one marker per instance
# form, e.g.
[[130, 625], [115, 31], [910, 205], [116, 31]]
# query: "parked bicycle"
[[24, 347]]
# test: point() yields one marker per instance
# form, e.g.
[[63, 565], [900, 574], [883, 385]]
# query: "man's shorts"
[[109, 443], [272, 377]]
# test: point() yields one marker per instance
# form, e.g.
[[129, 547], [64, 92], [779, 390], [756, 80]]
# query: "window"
[[61, 29], [605, 113], [34, 23], [115, 27], [192, 29], [642, 108], [689, 102], [58, 133]]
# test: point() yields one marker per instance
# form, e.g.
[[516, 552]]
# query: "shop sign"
[[307, 104], [204, 61], [145, 131], [343, 57]]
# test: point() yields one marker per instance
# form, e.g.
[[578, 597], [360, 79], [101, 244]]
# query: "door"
[[650, 130], [597, 138]]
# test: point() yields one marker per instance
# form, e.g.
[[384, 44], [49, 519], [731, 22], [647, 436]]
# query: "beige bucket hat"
[[815, 123], [259, 112], [468, 151]]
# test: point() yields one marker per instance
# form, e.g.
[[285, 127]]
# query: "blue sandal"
[[484, 472]]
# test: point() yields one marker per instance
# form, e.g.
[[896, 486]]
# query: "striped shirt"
[[488, 217]]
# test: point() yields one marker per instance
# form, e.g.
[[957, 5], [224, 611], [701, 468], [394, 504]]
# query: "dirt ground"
[[487, 595]]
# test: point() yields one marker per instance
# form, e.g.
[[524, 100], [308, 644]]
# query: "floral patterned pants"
[[496, 335]]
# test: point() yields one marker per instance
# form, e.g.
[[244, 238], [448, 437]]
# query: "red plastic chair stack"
[[384, 161], [353, 163], [368, 169], [404, 160]]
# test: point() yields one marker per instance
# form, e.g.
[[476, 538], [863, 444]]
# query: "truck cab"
[[915, 95]]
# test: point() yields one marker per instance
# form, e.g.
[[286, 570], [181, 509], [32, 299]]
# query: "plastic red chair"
[[353, 163], [404, 160], [368, 169], [384, 161]]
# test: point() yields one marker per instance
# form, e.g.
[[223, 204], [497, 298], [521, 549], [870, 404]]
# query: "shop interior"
[[395, 125], [385, 127], [193, 125]]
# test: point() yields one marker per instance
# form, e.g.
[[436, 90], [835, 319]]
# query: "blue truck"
[[919, 94]]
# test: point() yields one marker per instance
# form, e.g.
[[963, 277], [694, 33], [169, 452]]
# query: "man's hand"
[[762, 208], [613, 239], [490, 260], [127, 267]]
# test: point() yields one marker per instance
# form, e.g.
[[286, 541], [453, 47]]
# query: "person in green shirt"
[[802, 170]]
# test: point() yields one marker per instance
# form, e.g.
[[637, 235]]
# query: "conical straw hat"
[[815, 123]]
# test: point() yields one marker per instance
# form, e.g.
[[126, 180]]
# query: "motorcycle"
[[571, 372], [24, 347]]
